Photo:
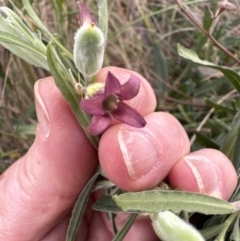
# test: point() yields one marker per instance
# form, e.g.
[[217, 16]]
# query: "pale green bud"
[[89, 49], [169, 227], [93, 89]]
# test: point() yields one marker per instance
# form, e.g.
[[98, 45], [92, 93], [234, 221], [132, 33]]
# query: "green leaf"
[[154, 201], [29, 129], [208, 233], [111, 217], [161, 67], [229, 143], [185, 115], [106, 204], [103, 17], [79, 209], [24, 50], [21, 41], [227, 224], [236, 156], [126, 227], [236, 164], [35, 17], [213, 104], [230, 74], [11, 23], [63, 82], [209, 86], [40, 24], [207, 142], [207, 19], [235, 235]]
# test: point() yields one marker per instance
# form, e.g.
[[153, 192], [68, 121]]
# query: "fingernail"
[[43, 117], [208, 175], [141, 152]]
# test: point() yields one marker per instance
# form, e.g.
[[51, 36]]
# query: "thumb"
[[40, 187]]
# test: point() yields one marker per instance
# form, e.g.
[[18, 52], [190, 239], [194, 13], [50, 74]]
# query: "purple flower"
[[109, 103]]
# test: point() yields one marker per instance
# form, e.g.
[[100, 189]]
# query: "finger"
[[39, 188], [97, 223], [141, 229], [92, 224], [145, 101], [139, 158], [206, 171]]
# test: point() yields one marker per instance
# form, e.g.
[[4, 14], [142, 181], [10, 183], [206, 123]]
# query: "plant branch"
[[215, 42]]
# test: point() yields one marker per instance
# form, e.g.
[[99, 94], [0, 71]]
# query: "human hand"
[[39, 190]]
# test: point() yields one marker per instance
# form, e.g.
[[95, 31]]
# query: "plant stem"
[[215, 42]]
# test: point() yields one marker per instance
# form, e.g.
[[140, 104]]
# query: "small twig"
[[169, 98], [215, 42]]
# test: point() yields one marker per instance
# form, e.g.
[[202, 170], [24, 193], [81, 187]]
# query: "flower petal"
[[99, 124], [130, 89], [128, 115], [93, 105], [112, 85], [85, 15]]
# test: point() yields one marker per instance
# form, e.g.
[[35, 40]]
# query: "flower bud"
[[169, 227], [93, 89], [89, 44]]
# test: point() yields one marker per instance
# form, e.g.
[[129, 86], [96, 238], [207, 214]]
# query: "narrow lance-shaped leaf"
[[236, 164], [229, 143], [79, 209], [161, 68], [103, 16], [124, 230], [154, 201], [208, 233], [24, 50], [63, 82], [11, 23], [20, 40], [218, 107], [106, 204], [40, 24], [235, 235], [230, 74]]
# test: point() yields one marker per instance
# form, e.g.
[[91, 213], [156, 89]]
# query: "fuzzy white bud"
[[169, 227], [88, 49]]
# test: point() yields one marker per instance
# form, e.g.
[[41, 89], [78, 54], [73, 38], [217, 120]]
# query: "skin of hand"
[[39, 190]]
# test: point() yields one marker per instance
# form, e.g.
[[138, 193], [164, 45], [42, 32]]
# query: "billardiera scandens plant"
[[89, 44], [169, 227]]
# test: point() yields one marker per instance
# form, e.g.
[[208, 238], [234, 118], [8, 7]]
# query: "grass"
[[143, 36]]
